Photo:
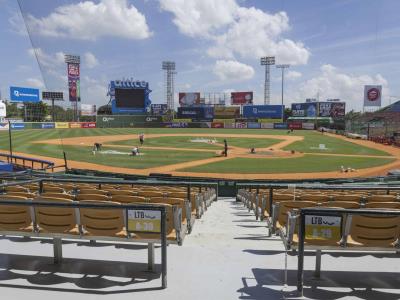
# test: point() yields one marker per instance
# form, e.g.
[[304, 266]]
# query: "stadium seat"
[[58, 195], [102, 222], [15, 188], [150, 193], [122, 192], [129, 199], [281, 209], [21, 194], [56, 219], [92, 192], [15, 218], [315, 197], [383, 205], [341, 204], [382, 198], [97, 197], [373, 231]]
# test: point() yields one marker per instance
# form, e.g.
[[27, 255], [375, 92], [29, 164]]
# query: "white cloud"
[[17, 24], [90, 60], [89, 20], [230, 70], [236, 30], [332, 83], [293, 75], [200, 18], [35, 83], [47, 60]]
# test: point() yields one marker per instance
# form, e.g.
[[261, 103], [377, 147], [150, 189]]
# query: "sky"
[[334, 48]]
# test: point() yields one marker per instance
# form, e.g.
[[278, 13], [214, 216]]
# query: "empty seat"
[[13, 217], [373, 231], [102, 222], [382, 198], [315, 197], [129, 199], [16, 188], [286, 206], [56, 219], [58, 195], [21, 194], [346, 198], [122, 192], [341, 204], [383, 205], [92, 192], [149, 194], [97, 197], [52, 189]]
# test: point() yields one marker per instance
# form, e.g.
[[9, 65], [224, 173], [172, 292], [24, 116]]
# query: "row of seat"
[[281, 217]]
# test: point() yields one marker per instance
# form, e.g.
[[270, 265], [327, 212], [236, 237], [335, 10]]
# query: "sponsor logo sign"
[[227, 112], [263, 111], [372, 95], [280, 126], [323, 227], [189, 99], [217, 125], [17, 125], [21, 94], [241, 98], [62, 125], [74, 125], [144, 220], [48, 125]]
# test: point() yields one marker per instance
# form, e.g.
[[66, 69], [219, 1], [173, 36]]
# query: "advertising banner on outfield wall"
[[48, 125], [4, 126], [280, 126], [61, 125], [304, 110], [196, 113], [74, 125], [229, 125], [263, 111], [308, 126], [189, 99], [217, 125], [226, 112], [17, 126], [241, 98], [241, 125], [372, 95], [267, 125], [295, 125], [253, 125], [88, 125]]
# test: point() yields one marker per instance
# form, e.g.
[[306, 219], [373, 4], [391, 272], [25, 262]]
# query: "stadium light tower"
[[169, 72], [267, 61], [282, 67]]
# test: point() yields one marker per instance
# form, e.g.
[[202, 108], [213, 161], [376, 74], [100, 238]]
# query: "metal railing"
[[27, 162]]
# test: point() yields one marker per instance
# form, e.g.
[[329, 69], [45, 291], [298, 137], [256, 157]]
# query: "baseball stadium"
[[140, 143]]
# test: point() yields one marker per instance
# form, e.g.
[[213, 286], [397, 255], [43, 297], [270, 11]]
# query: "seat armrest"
[[346, 230], [263, 207], [274, 217], [177, 211], [291, 227], [188, 207]]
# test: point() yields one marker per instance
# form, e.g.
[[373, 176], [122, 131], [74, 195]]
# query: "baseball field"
[[278, 154]]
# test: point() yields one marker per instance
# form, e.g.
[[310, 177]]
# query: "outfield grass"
[[186, 142], [307, 164]]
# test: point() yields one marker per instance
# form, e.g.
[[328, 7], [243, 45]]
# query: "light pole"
[[267, 61], [282, 67]]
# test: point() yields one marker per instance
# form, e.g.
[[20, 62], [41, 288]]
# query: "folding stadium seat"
[[129, 199], [315, 198], [16, 188], [92, 192], [97, 197], [21, 194], [150, 193], [122, 192], [102, 222], [340, 204], [52, 189], [56, 219], [373, 231], [392, 205], [347, 198], [381, 198], [281, 210], [32, 187], [184, 205], [15, 218], [58, 195]]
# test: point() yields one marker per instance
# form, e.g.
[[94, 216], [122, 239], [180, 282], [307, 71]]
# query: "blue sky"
[[334, 47]]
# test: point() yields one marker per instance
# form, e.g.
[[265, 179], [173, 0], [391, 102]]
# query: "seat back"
[[378, 231], [122, 192], [101, 222], [383, 205], [15, 188], [13, 217], [129, 199], [21, 194], [382, 198], [58, 195], [150, 194], [55, 219], [286, 206], [96, 197], [315, 198], [341, 204], [346, 198], [92, 192], [52, 189], [171, 201]]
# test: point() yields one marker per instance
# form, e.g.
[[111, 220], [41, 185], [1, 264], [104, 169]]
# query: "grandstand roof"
[[394, 107]]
